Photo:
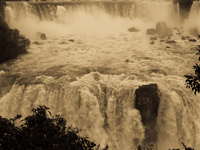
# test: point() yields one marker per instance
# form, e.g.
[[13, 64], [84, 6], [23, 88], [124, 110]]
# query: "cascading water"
[[193, 23], [90, 66]]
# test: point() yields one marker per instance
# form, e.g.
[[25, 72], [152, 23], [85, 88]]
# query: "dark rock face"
[[162, 29], [147, 102], [184, 7], [151, 31], [133, 29], [43, 36]]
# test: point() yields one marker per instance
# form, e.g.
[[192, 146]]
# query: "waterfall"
[[90, 68], [193, 23], [104, 112], [49, 11], [103, 107]]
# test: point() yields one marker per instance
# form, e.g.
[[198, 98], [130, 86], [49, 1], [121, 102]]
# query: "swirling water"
[[88, 69]]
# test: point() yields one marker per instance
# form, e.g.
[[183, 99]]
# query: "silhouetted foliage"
[[41, 131], [185, 148], [12, 43], [2, 8], [193, 81], [17, 0]]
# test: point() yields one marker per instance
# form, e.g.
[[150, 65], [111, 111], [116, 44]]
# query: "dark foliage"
[[2, 8], [41, 131], [193, 81], [17, 0], [12, 44], [185, 148]]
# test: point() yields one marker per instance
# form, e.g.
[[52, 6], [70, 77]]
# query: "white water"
[[88, 81]]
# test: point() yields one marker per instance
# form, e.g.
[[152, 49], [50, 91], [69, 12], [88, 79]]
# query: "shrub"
[[41, 131], [12, 44], [193, 81], [2, 8]]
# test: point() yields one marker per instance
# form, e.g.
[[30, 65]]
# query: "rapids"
[[90, 66]]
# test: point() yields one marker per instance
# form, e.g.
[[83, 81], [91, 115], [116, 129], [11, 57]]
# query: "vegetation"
[[151, 147], [2, 8], [193, 81], [16, 0], [185, 148], [12, 44], [41, 131]]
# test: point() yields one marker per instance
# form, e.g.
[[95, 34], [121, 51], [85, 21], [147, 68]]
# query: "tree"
[[2, 8], [8, 134], [12, 44], [41, 131], [193, 81]]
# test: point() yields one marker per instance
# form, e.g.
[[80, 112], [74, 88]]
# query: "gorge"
[[118, 88]]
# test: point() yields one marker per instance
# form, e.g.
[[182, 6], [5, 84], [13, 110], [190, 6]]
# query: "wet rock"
[[147, 101], [151, 31], [153, 38], [152, 42], [171, 42], [192, 40], [71, 40], [162, 40], [183, 38], [133, 29], [162, 29], [127, 60], [158, 71], [43, 36], [36, 43]]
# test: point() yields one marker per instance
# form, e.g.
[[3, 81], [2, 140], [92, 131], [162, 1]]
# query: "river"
[[88, 68]]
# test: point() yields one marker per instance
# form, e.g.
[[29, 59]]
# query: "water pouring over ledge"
[[80, 71]]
